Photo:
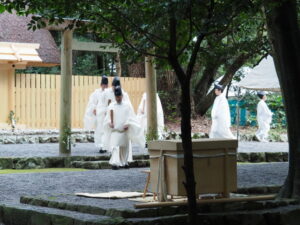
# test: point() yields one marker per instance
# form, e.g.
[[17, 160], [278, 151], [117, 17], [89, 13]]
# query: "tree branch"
[[119, 30], [172, 54]]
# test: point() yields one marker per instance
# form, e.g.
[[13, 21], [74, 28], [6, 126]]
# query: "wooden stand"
[[214, 166]]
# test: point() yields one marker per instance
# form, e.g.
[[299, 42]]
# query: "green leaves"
[[2, 8]]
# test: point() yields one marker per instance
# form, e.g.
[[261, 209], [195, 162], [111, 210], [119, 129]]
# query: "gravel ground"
[[13, 186], [263, 147], [88, 149]]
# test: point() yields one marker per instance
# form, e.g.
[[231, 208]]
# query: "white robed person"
[[95, 113], [109, 93], [142, 114], [264, 118], [220, 115], [122, 129]]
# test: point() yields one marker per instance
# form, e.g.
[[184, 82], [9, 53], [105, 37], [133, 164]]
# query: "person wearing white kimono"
[[109, 93], [142, 114], [95, 113], [220, 115], [121, 128], [264, 118]]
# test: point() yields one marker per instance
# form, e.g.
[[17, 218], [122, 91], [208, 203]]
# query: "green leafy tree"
[[172, 31], [244, 42]]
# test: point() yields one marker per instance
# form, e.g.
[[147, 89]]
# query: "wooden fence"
[[37, 98]]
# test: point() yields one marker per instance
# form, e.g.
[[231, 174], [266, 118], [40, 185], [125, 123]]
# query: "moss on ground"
[[46, 170]]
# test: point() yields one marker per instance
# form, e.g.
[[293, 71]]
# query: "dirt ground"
[[202, 124]]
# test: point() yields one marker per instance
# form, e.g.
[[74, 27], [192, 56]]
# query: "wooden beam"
[[6, 66], [66, 93], [151, 98], [42, 64], [94, 46], [207, 201]]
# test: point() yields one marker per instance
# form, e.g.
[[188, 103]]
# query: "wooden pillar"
[[11, 90], [151, 99], [4, 87], [66, 93]]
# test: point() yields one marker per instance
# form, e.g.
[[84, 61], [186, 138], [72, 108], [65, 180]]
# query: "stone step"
[[117, 208], [23, 214], [95, 206], [106, 165], [44, 138], [66, 162], [279, 216], [53, 162]]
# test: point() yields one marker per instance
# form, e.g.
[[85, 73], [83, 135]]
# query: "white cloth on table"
[[264, 119], [220, 115], [142, 114], [118, 140]]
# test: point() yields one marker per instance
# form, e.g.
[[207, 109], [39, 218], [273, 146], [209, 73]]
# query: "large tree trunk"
[[186, 129], [284, 35]]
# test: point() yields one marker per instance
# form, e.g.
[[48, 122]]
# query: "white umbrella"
[[262, 77]]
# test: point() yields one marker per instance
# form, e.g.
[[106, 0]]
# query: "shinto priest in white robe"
[[264, 119], [142, 114], [95, 112], [117, 139], [220, 115], [110, 96]]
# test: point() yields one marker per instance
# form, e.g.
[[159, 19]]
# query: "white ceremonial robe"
[[142, 114], [117, 140], [92, 121], [89, 119], [110, 96], [101, 109], [264, 119], [220, 115]]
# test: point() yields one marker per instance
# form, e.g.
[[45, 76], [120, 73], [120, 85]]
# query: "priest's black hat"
[[104, 80], [116, 82], [219, 87], [260, 94], [118, 91]]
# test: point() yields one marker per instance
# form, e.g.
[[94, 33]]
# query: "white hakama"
[[221, 122], [142, 114], [264, 119]]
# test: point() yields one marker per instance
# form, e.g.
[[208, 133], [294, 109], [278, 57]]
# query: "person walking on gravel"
[[264, 118]]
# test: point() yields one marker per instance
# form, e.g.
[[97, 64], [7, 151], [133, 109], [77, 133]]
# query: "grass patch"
[[46, 170]]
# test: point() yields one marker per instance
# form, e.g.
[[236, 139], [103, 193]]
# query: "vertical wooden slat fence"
[[37, 98]]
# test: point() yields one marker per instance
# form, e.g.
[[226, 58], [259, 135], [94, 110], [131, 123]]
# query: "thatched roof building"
[[13, 28]]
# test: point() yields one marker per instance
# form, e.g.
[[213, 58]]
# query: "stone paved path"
[[88, 149]]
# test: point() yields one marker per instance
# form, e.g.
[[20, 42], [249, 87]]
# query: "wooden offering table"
[[214, 166]]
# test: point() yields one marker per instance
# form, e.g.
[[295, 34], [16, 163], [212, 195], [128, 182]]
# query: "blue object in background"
[[233, 112]]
